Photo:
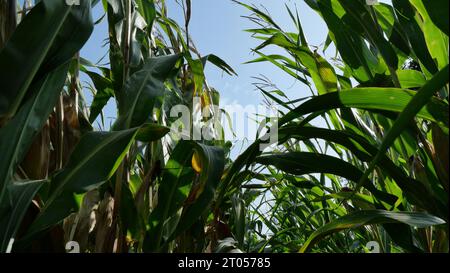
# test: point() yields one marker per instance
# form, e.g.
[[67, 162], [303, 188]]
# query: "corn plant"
[[376, 171], [383, 162], [58, 172]]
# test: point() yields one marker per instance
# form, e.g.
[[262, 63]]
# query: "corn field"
[[376, 171]]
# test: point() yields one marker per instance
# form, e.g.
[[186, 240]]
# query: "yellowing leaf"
[[196, 163]]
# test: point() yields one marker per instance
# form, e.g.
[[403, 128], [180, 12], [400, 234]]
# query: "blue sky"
[[217, 27]]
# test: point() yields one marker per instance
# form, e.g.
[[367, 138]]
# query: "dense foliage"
[[377, 172]]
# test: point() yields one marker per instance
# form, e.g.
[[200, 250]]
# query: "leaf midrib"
[[38, 64], [138, 95], [67, 178]]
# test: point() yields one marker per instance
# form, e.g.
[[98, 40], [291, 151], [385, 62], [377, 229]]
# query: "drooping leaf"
[[21, 194], [151, 132], [387, 99], [215, 60], [93, 162], [105, 91], [56, 31], [365, 151], [18, 134], [143, 91], [213, 162], [412, 109], [300, 163], [371, 217]]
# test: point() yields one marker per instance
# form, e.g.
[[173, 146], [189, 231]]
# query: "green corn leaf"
[[19, 133], [21, 194], [151, 132], [411, 79], [365, 151], [173, 191], [348, 41], [406, 15], [212, 161], [372, 99], [437, 41], [143, 91], [105, 91], [438, 12], [93, 162], [56, 31], [215, 60], [371, 217], [360, 12], [300, 163], [391, 27], [407, 115]]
